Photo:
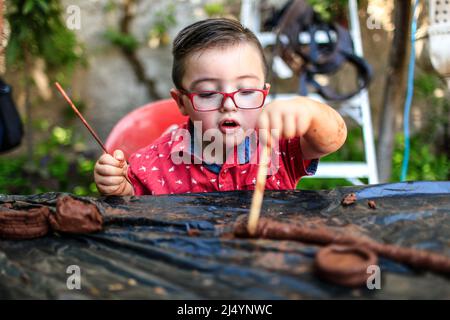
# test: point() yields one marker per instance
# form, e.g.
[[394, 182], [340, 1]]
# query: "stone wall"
[[109, 86]]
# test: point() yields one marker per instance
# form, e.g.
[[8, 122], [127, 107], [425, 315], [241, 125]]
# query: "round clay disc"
[[345, 265], [22, 224]]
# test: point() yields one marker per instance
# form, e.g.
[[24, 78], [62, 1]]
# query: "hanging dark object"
[[11, 129], [311, 47]]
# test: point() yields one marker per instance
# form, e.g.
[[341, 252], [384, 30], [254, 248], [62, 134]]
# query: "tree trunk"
[[394, 93], [132, 56]]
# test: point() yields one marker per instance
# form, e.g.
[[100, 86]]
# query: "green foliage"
[[322, 184], [430, 90], [164, 20], [429, 154], [40, 32], [125, 41], [425, 84], [214, 9], [329, 9], [11, 179], [59, 164], [424, 162], [110, 6]]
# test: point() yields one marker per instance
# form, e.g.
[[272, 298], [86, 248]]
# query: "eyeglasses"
[[214, 100]]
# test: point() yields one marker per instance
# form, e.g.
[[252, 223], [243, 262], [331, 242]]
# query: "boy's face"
[[224, 69]]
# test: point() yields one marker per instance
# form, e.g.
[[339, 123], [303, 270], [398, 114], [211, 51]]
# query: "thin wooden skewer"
[[81, 116], [78, 113], [260, 185]]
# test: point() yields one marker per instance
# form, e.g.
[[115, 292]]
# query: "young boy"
[[219, 74]]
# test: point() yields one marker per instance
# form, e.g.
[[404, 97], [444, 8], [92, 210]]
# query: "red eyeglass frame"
[[225, 95]]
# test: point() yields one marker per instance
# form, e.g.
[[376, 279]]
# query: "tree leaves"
[[27, 7], [122, 40], [39, 31]]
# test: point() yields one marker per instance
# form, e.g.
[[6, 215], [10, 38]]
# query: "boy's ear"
[[178, 97]]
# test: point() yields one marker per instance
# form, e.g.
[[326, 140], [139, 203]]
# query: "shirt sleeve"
[[138, 187], [294, 163]]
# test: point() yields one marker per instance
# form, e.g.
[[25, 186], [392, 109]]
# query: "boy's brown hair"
[[206, 34]]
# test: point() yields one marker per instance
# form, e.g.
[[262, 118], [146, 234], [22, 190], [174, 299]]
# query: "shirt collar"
[[180, 142]]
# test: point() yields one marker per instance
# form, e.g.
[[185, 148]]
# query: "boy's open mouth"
[[228, 125]]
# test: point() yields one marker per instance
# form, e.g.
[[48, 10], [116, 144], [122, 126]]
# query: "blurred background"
[[113, 56]]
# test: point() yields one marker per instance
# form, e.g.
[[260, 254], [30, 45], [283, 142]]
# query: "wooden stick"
[[78, 113], [260, 185], [81, 116]]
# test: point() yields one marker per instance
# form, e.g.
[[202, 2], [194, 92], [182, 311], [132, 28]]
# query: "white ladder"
[[358, 107]]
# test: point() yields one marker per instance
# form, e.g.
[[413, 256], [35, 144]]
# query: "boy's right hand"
[[110, 175]]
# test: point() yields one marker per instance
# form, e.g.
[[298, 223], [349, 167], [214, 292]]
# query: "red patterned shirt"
[[170, 165]]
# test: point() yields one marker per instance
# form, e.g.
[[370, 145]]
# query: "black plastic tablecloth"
[[145, 251]]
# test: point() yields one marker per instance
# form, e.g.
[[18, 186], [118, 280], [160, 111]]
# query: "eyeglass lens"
[[247, 99]]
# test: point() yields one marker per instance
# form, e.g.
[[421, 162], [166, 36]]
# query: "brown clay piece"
[[344, 265], [23, 224], [75, 216], [372, 204], [193, 232], [349, 199]]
